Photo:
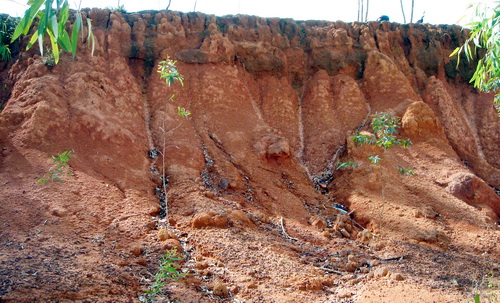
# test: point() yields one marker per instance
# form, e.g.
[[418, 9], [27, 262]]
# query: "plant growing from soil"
[[52, 22], [60, 168], [347, 165], [119, 8], [385, 130], [168, 72], [484, 34], [168, 270]]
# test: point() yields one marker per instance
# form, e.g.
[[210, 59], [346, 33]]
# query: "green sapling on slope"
[[385, 130]]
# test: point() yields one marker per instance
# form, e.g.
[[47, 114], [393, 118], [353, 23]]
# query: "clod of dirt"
[[434, 237], [397, 277], [164, 234], [318, 222], [206, 219], [137, 251], [364, 236], [220, 290], [344, 293], [170, 244], [239, 218], [314, 283], [142, 261], [381, 272], [201, 265]]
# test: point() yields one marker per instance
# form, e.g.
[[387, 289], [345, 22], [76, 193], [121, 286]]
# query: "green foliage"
[[362, 139], [168, 71], [119, 8], [484, 34], [182, 112], [407, 171], [52, 22], [385, 126], [61, 167], [374, 159], [168, 270], [347, 165], [7, 27]]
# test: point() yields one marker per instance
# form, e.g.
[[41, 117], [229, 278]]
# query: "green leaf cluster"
[[407, 171], [7, 27], [385, 127], [484, 34], [374, 159], [168, 71], [168, 270], [60, 168], [52, 22]]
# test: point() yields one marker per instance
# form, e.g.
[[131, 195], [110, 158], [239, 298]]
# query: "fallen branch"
[[283, 230], [394, 258], [332, 271]]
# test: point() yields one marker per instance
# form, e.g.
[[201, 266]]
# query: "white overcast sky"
[[436, 11]]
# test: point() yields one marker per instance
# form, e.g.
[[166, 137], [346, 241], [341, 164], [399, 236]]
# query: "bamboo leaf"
[[54, 26], [40, 44], [32, 41], [55, 47], [91, 35], [74, 33], [25, 23]]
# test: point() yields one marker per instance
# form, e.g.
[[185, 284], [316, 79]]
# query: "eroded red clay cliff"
[[273, 104]]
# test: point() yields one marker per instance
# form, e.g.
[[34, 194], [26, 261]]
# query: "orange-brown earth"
[[252, 187]]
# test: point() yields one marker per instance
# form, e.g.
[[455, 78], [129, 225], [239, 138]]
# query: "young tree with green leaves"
[[485, 35], [168, 71], [52, 22], [385, 130]]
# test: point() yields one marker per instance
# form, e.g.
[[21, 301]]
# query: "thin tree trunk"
[[412, 7], [366, 13], [195, 1], [403, 10], [359, 9], [362, 10], [169, 1]]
